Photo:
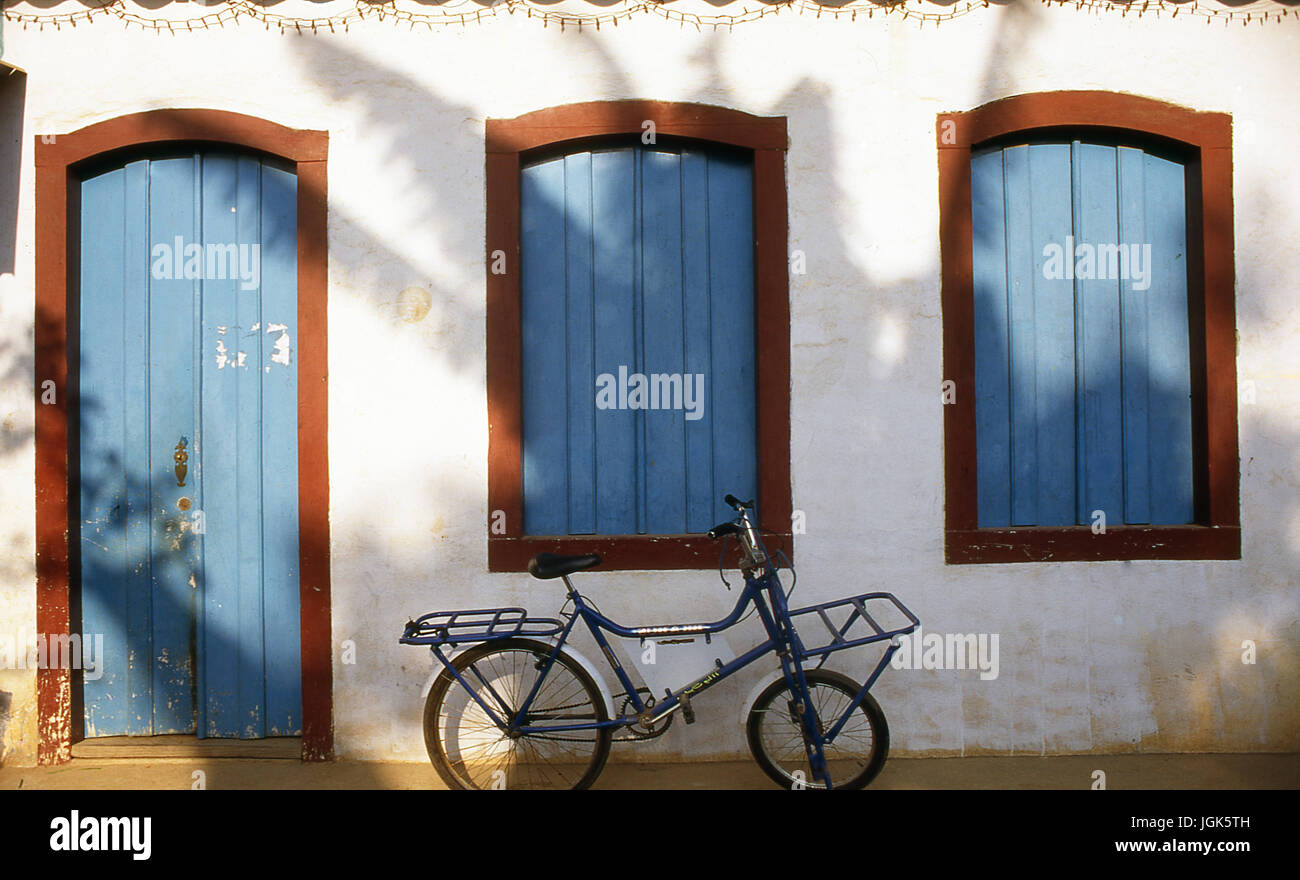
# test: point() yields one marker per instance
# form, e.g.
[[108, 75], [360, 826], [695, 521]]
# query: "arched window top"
[[1098, 114], [151, 128], [602, 119]]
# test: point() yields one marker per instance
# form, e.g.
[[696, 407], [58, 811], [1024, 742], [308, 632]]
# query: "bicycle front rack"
[[840, 636], [478, 625]]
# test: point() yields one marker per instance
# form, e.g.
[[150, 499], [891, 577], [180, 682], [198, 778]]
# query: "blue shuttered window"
[[1082, 371], [638, 340]]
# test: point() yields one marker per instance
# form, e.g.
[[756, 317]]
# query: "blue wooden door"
[[1082, 370], [188, 446], [637, 262]]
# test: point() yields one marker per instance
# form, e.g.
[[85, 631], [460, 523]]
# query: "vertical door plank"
[[219, 460], [172, 220], [104, 493], [992, 333], [279, 366], [545, 465], [614, 259], [137, 269], [248, 459]]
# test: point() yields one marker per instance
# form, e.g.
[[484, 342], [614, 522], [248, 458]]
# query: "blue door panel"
[[279, 359], [251, 656], [135, 451], [223, 341], [104, 497], [173, 216], [187, 358], [219, 353]]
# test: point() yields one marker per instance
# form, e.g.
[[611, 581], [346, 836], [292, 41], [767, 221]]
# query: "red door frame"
[[58, 161]]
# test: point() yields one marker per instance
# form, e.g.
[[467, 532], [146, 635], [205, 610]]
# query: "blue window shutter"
[[1082, 384], [640, 260]]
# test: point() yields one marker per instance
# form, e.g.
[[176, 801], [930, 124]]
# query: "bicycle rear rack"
[[840, 639], [478, 625]]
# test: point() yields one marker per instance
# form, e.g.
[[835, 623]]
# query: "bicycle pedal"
[[688, 714]]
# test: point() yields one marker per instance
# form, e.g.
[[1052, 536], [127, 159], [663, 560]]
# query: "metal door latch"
[[181, 457]]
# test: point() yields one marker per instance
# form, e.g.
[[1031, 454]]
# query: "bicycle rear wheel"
[[469, 750], [776, 734]]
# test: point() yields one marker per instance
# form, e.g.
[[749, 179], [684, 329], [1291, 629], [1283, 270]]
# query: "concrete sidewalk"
[[1071, 772]]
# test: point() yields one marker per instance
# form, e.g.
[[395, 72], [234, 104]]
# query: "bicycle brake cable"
[[794, 575], [722, 558]]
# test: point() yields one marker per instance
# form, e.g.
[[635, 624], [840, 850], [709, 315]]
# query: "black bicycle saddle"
[[553, 565]]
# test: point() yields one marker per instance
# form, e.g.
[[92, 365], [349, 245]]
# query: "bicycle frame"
[[782, 638]]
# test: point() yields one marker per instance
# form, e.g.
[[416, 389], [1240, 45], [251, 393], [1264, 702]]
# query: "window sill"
[[1078, 543], [624, 552]]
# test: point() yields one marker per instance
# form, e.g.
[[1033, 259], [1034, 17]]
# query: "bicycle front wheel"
[[776, 734], [470, 750]]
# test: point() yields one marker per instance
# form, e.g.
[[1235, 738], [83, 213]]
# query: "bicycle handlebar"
[[723, 529]]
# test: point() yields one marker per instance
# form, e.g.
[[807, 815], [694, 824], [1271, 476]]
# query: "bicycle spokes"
[[531, 749]]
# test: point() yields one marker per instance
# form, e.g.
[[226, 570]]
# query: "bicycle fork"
[[801, 708], [788, 652], [803, 714]]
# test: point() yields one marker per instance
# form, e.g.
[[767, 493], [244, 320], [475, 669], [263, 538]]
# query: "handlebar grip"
[[733, 501], [723, 529]]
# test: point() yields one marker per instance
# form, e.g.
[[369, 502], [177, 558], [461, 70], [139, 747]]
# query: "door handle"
[[181, 457]]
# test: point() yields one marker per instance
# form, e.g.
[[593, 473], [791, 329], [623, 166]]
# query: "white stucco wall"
[[1104, 657]]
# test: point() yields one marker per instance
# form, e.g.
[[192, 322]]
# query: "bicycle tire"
[[770, 727], [492, 759]]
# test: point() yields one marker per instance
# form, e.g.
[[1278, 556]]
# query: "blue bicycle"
[[516, 706]]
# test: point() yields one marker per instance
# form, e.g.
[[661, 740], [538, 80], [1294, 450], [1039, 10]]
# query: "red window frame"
[[509, 143], [1206, 141]]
